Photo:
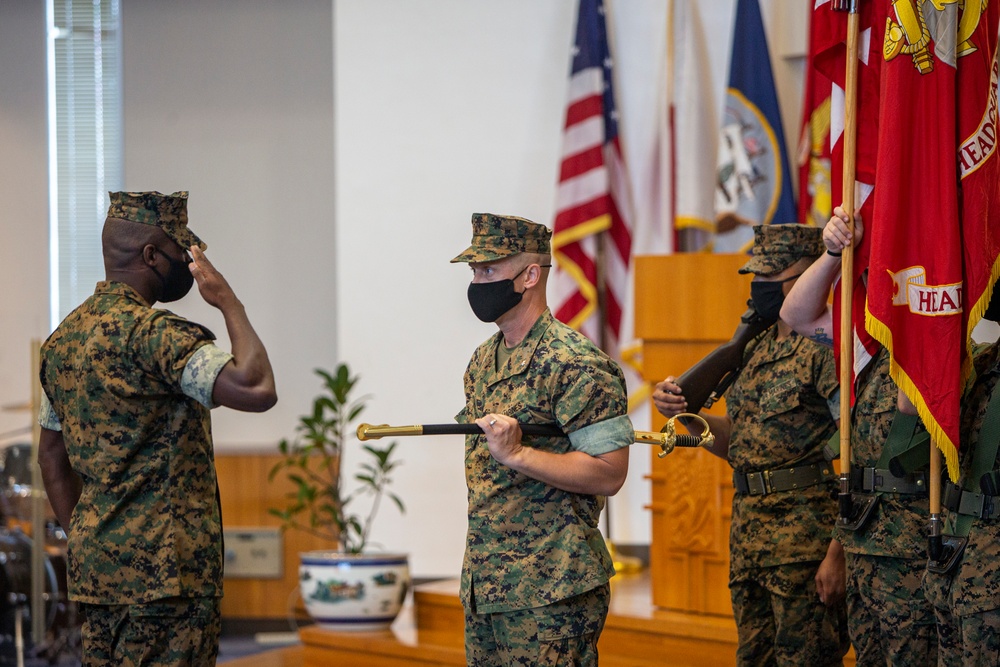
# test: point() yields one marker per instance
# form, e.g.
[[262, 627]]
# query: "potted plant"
[[349, 586]]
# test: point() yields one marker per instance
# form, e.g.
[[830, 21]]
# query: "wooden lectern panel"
[[686, 306]]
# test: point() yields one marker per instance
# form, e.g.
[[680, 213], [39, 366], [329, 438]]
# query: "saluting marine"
[[126, 446]]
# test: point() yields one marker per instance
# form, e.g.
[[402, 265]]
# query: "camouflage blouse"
[[973, 587], [148, 522], [780, 407], [530, 544], [898, 525]]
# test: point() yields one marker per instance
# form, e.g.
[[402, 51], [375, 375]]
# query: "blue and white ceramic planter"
[[345, 591]]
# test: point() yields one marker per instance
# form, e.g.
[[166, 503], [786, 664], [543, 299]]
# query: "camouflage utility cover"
[[898, 526], [498, 236], [148, 522], [777, 247], [781, 417], [974, 586], [530, 544], [168, 212]]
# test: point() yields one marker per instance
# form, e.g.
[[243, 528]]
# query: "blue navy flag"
[[754, 185]]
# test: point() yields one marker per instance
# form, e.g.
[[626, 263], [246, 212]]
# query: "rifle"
[[705, 382]]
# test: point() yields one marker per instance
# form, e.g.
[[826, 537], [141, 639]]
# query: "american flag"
[[592, 236]]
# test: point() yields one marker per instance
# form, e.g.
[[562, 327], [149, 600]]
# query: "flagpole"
[[847, 259], [935, 545], [602, 338]]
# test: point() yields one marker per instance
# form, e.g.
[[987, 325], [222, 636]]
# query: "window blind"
[[85, 136]]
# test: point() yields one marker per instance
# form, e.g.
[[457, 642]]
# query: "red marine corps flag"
[[935, 226]]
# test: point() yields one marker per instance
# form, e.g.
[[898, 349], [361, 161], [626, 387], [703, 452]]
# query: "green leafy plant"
[[312, 461]]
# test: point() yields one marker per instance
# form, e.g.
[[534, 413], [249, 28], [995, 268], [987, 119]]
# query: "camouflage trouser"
[[890, 619], [780, 620], [968, 641], [173, 631], [562, 633]]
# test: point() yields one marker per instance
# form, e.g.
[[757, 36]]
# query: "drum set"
[[59, 642]]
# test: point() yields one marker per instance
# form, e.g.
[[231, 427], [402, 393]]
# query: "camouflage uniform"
[[536, 569], [781, 418], [529, 544], [780, 406], [967, 600], [172, 631], [130, 388], [890, 620]]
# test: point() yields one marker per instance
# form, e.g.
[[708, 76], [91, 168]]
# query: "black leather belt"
[[980, 505], [870, 480], [782, 479]]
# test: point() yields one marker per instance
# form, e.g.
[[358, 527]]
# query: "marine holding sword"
[[536, 569], [786, 575]]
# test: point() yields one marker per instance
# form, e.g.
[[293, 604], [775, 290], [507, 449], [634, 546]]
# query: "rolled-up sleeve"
[[201, 371], [47, 417], [604, 436]]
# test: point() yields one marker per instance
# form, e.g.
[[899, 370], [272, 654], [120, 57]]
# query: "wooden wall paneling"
[[246, 496], [687, 305]]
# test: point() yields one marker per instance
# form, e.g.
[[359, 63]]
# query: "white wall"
[[446, 108], [430, 111], [233, 101], [24, 300]]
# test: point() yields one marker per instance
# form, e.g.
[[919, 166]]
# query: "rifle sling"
[[903, 438], [972, 504]]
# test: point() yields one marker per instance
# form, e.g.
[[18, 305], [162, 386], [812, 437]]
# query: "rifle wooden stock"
[[705, 382], [666, 440]]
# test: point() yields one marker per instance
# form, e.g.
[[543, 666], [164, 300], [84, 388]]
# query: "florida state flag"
[[933, 232]]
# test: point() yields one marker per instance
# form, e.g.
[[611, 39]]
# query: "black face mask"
[[177, 282], [491, 300], [993, 310], [768, 297]]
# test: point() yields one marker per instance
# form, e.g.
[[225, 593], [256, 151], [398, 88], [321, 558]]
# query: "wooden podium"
[[686, 306]]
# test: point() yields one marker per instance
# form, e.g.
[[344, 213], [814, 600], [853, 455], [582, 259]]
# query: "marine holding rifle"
[[536, 570], [890, 620], [786, 574]]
